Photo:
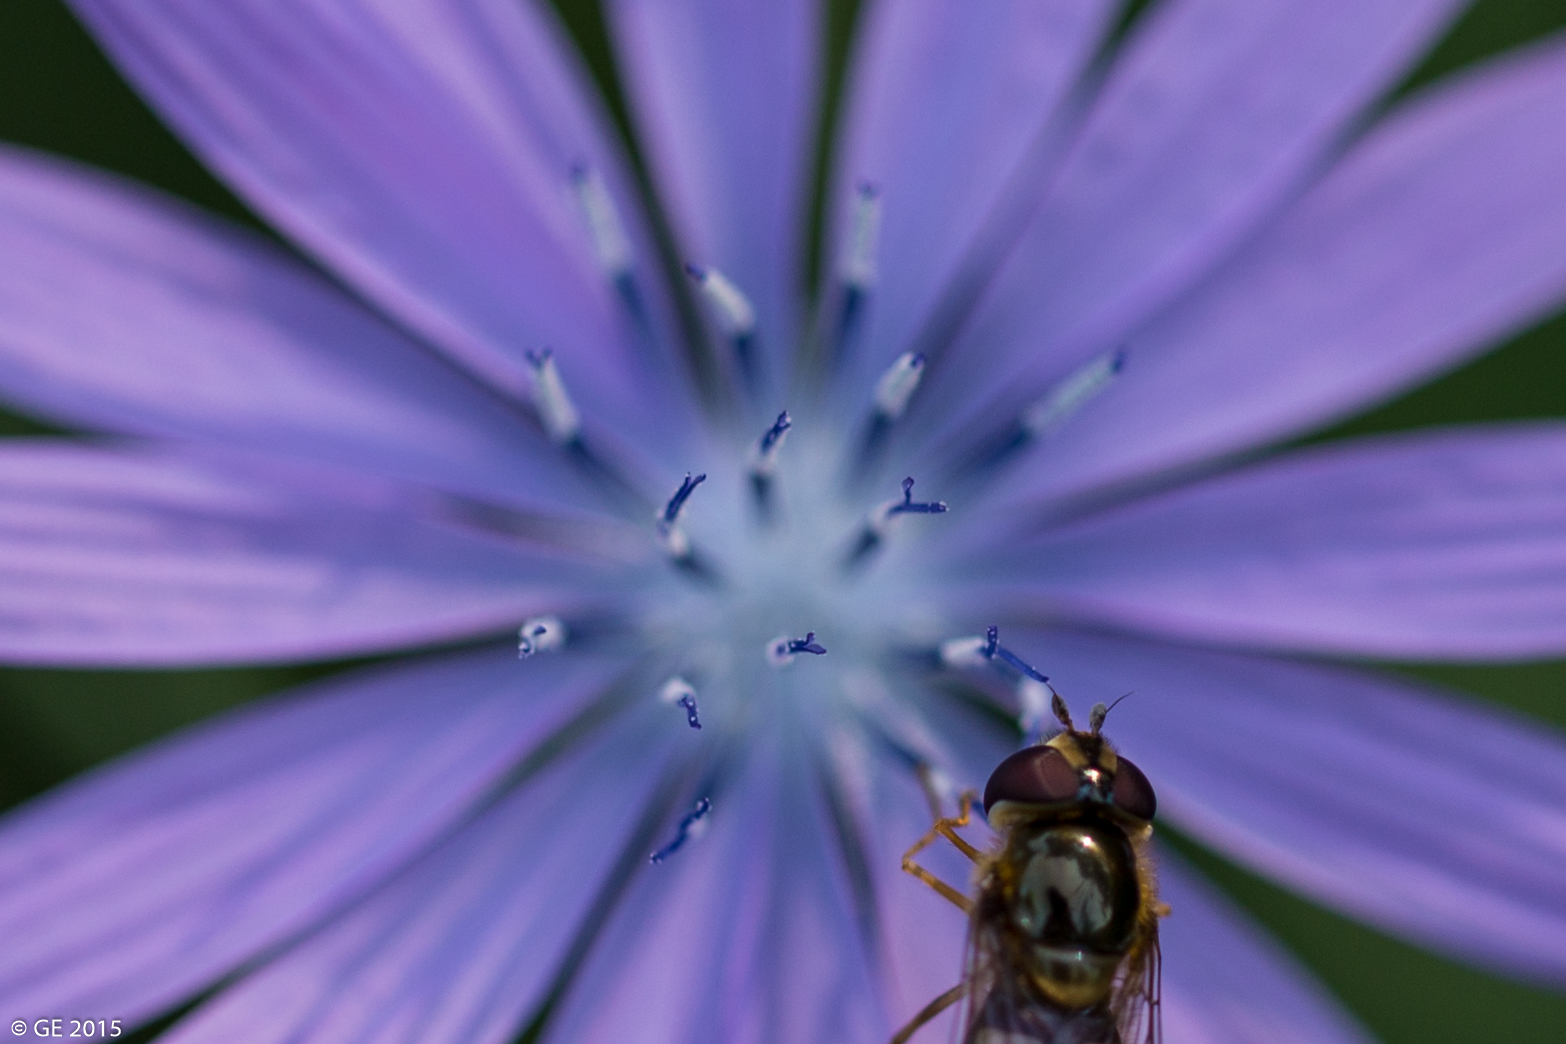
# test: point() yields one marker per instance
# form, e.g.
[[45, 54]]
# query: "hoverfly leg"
[[948, 831], [945, 827], [928, 1012]]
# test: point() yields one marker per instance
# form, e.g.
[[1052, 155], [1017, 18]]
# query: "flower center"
[[787, 582]]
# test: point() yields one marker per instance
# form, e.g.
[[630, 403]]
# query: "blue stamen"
[[763, 461], [908, 507], [993, 650], [691, 826], [1077, 389], [678, 692], [873, 533], [736, 317], [807, 644], [858, 270], [892, 392], [676, 504], [772, 441], [691, 717], [555, 410], [783, 650], [675, 543], [539, 634], [611, 245], [1048, 414]]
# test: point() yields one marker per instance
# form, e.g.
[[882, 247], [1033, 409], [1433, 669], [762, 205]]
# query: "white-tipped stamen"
[[692, 827], [733, 310], [1078, 388], [1033, 702], [675, 689], [880, 520], [540, 634], [555, 410], [994, 650], [897, 385], [764, 454], [938, 783], [783, 650], [764, 461], [673, 538], [962, 653], [858, 270], [611, 245], [677, 692]]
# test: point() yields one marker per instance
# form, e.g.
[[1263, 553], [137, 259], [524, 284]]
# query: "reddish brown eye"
[[1132, 793], [1035, 776]]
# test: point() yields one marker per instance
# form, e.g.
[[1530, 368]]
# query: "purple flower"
[[1072, 295]]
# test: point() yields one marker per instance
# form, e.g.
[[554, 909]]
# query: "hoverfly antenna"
[[1100, 712], [1062, 715]]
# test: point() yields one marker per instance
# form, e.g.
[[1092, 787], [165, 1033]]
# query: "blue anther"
[[684, 832], [994, 650], [774, 433], [908, 507], [807, 644], [689, 703], [671, 511]]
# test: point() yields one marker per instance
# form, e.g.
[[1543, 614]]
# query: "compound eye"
[[1035, 776], [1132, 793]]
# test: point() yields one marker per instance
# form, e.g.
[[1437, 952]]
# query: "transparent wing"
[[1136, 1000]]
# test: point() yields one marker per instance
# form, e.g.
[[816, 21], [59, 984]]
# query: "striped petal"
[[424, 151], [946, 107], [1437, 236], [461, 946], [745, 936], [145, 882], [142, 557], [126, 312], [1215, 113], [1432, 546], [724, 95]]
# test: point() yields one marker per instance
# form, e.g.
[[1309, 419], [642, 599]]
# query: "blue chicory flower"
[[1071, 291]]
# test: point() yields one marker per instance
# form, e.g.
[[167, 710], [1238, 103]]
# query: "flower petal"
[[1226, 982], [1214, 113], [1442, 546], [144, 882], [422, 149], [140, 557], [1438, 235], [945, 103], [1426, 815], [743, 937], [123, 311], [724, 94], [460, 947]]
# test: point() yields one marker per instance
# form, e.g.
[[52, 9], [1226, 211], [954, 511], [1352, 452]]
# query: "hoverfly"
[[1063, 924]]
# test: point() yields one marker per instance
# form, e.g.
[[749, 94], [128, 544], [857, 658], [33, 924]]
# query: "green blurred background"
[[58, 93]]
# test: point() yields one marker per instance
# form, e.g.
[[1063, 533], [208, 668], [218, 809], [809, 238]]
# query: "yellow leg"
[[928, 1012], [944, 827]]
